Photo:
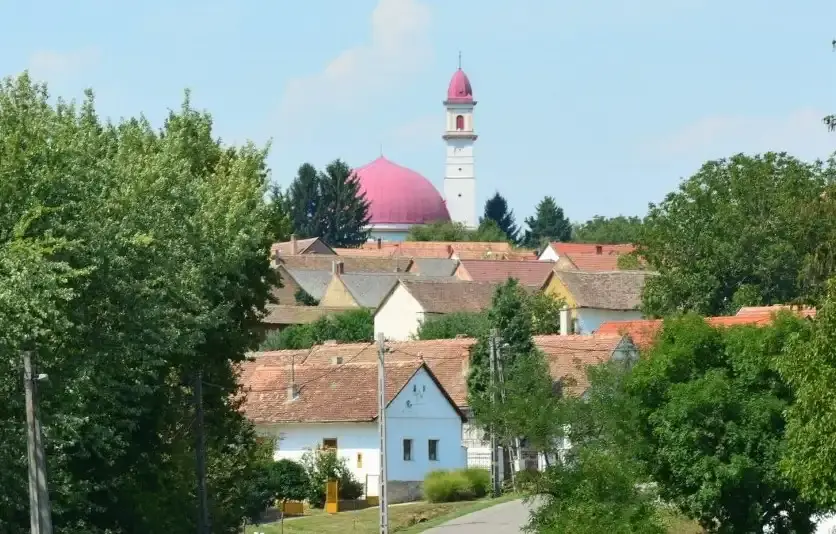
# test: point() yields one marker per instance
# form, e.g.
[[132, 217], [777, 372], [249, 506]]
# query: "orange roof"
[[529, 273], [338, 382], [590, 248], [803, 311], [594, 262], [643, 332]]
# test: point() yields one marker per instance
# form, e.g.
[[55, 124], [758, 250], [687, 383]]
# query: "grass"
[[404, 519]]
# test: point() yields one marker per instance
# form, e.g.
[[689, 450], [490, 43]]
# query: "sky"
[[606, 105]]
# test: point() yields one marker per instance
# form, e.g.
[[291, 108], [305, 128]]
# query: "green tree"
[[350, 326], [598, 491], [711, 418], [496, 209], [545, 313], [344, 212], [278, 216], [747, 224], [450, 325], [487, 232], [830, 120], [809, 365], [608, 230], [304, 201], [131, 258], [287, 480], [548, 224], [323, 465]]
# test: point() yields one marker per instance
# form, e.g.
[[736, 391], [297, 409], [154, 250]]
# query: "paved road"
[[505, 518]]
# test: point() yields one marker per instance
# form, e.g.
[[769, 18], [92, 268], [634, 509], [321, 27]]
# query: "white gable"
[[400, 315], [549, 254]]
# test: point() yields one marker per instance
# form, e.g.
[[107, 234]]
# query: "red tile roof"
[[594, 262], [529, 273], [590, 248], [643, 332], [803, 311], [338, 381]]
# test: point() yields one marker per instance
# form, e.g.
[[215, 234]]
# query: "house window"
[[329, 444], [359, 460], [407, 450], [459, 122], [433, 450]]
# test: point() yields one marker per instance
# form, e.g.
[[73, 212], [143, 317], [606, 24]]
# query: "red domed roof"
[[398, 195], [459, 89]]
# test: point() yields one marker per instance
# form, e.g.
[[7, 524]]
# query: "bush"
[[457, 485], [324, 465], [288, 480], [528, 480]]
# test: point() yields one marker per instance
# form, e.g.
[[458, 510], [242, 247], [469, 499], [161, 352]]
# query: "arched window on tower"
[[459, 122]]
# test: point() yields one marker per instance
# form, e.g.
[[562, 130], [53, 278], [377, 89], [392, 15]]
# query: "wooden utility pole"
[[40, 515], [383, 495], [495, 482], [203, 526]]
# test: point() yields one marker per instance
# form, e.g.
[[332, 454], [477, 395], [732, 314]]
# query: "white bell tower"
[[459, 136]]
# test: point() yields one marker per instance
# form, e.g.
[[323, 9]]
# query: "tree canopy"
[[329, 205], [608, 230], [130, 258], [741, 231], [496, 209], [346, 327], [547, 224], [487, 232]]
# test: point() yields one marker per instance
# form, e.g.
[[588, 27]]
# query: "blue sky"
[[605, 106]]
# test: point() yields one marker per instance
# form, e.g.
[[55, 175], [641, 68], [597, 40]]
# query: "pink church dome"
[[398, 195], [459, 89]]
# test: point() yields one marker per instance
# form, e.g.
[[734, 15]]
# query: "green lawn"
[[404, 519]]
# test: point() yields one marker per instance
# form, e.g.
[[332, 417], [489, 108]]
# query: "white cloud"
[[49, 64], [399, 46], [800, 133]]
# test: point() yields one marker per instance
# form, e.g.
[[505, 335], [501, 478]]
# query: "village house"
[[584, 256], [411, 301], [281, 316], [313, 245], [448, 359], [312, 282], [332, 403], [593, 298], [531, 274]]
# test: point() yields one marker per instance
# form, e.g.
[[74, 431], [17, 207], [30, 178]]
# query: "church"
[[400, 198]]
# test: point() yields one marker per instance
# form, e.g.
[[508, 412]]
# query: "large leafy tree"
[[303, 199], [344, 209], [548, 224], [710, 418], [608, 230], [738, 232], [496, 209], [809, 365], [130, 258], [278, 215]]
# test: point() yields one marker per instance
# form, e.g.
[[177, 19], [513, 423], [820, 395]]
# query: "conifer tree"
[[304, 202], [344, 210], [548, 224], [496, 209]]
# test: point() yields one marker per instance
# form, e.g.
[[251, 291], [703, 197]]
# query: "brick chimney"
[[294, 247], [379, 243], [599, 249], [337, 267]]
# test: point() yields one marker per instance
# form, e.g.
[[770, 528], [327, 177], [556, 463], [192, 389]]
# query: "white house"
[[584, 256], [412, 301], [334, 404]]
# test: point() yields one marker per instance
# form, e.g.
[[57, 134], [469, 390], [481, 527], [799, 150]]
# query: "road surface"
[[506, 518]]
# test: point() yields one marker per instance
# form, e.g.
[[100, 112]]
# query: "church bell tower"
[[459, 136]]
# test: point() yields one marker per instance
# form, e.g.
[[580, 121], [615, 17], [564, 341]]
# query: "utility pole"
[[200, 457], [383, 483], [40, 515], [495, 482]]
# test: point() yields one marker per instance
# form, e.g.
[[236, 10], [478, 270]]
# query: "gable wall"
[[399, 317], [337, 295]]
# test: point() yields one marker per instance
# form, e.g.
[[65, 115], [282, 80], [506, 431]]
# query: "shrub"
[[288, 480], [528, 480], [323, 465], [457, 485]]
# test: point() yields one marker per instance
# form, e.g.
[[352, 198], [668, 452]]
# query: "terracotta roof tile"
[[450, 295], [590, 248], [594, 262], [324, 262], [804, 311], [447, 359], [285, 248], [281, 314], [529, 273], [326, 393], [610, 290], [494, 255], [643, 332]]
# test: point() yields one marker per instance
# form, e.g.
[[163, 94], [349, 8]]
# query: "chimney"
[[294, 248], [599, 249], [564, 321], [379, 243], [337, 360], [337, 267]]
